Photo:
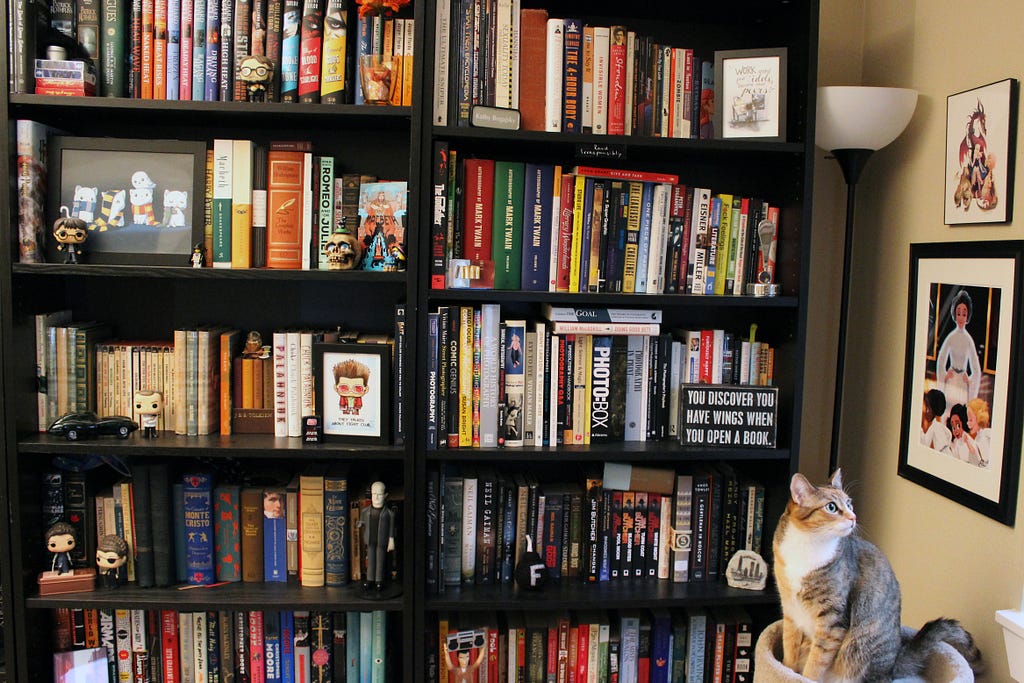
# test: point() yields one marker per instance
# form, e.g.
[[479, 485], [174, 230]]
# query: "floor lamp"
[[852, 122]]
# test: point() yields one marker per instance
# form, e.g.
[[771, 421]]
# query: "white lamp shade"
[[861, 117]]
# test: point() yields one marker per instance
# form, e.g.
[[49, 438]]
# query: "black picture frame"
[[750, 94], [99, 170], [981, 142], [370, 423], [979, 471]]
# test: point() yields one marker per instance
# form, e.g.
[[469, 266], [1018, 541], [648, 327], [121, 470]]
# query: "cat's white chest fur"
[[803, 554]]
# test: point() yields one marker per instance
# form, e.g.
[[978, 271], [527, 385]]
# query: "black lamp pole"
[[852, 162]]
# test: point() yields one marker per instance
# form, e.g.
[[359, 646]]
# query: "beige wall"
[[950, 560]]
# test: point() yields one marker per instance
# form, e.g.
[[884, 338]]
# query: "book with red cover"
[[257, 667], [169, 639], [478, 203], [310, 40], [617, 82], [285, 186], [532, 59]]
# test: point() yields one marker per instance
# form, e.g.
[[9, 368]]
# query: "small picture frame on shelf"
[[961, 436], [141, 200], [352, 391], [981, 138], [750, 94]]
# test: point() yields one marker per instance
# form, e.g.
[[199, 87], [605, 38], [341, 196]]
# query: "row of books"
[[691, 645], [188, 529], [606, 526], [583, 376], [170, 646], [272, 206], [564, 75], [277, 208], [200, 374], [198, 49], [591, 229]]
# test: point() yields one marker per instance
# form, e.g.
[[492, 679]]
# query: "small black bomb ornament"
[[531, 573]]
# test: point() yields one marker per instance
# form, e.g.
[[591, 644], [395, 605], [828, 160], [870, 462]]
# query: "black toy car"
[[75, 426]]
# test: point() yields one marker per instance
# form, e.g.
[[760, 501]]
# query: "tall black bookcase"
[[779, 171], [150, 302], [145, 302]]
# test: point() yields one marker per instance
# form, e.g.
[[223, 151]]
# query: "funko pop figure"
[[111, 555], [61, 538], [70, 233], [256, 71], [148, 404]]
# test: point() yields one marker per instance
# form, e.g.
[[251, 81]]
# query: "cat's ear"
[[837, 478], [801, 489]]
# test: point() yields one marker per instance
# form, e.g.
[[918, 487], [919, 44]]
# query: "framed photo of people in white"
[[352, 391], [750, 94], [961, 434]]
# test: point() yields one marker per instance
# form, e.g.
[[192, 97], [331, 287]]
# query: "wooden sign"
[[728, 415]]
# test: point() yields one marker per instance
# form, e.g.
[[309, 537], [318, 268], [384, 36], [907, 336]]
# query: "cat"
[[840, 597]]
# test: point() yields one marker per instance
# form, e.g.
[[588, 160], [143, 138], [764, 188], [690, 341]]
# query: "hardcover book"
[[198, 511], [251, 505], [275, 556], [336, 536]]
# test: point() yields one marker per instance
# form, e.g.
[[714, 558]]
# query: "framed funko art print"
[[961, 428], [141, 200], [352, 391]]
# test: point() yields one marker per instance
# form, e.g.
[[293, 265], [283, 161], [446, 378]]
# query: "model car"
[[75, 426]]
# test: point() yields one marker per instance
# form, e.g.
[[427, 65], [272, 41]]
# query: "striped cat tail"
[[915, 651]]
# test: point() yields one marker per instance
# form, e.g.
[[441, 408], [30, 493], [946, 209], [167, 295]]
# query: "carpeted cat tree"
[[946, 665]]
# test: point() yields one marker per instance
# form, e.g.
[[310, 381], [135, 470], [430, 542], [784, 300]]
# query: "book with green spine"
[[507, 223]]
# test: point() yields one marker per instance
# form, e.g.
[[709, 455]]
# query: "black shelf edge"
[[607, 594], [234, 446], [619, 300], [276, 110], [225, 597], [679, 144], [186, 272], [626, 450]]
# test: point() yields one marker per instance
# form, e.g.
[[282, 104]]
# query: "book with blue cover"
[[198, 513]]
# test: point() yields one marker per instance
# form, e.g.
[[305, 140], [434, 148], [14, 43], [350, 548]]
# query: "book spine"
[[553, 75], [311, 518], [309, 51], [336, 536], [113, 24], [211, 82], [536, 220], [572, 75], [223, 151], [257, 647], [143, 526], [275, 559], [172, 70], [198, 511], [225, 66], [280, 384], [199, 49], [290, 44], [242, 35], [617, 84], [334, 76], [227, 533], [185, 55]]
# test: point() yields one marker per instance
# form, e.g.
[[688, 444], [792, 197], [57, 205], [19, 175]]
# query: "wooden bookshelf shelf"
[[238, 595]]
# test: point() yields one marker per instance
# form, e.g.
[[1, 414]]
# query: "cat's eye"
[[831, 508]]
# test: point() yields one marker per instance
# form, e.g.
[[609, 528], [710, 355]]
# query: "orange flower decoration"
[[376, 7]]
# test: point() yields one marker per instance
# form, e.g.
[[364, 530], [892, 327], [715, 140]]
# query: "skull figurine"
[[343, 250]]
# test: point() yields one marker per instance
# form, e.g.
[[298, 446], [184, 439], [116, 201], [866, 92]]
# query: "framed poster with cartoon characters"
[[141, 200], [352, 391]]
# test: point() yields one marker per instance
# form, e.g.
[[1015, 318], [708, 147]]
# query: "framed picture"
[[981, 137], [961, 431], [352, 391], [142, 200], [750, 94]]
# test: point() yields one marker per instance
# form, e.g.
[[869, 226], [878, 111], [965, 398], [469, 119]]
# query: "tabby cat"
[[840, 598]]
